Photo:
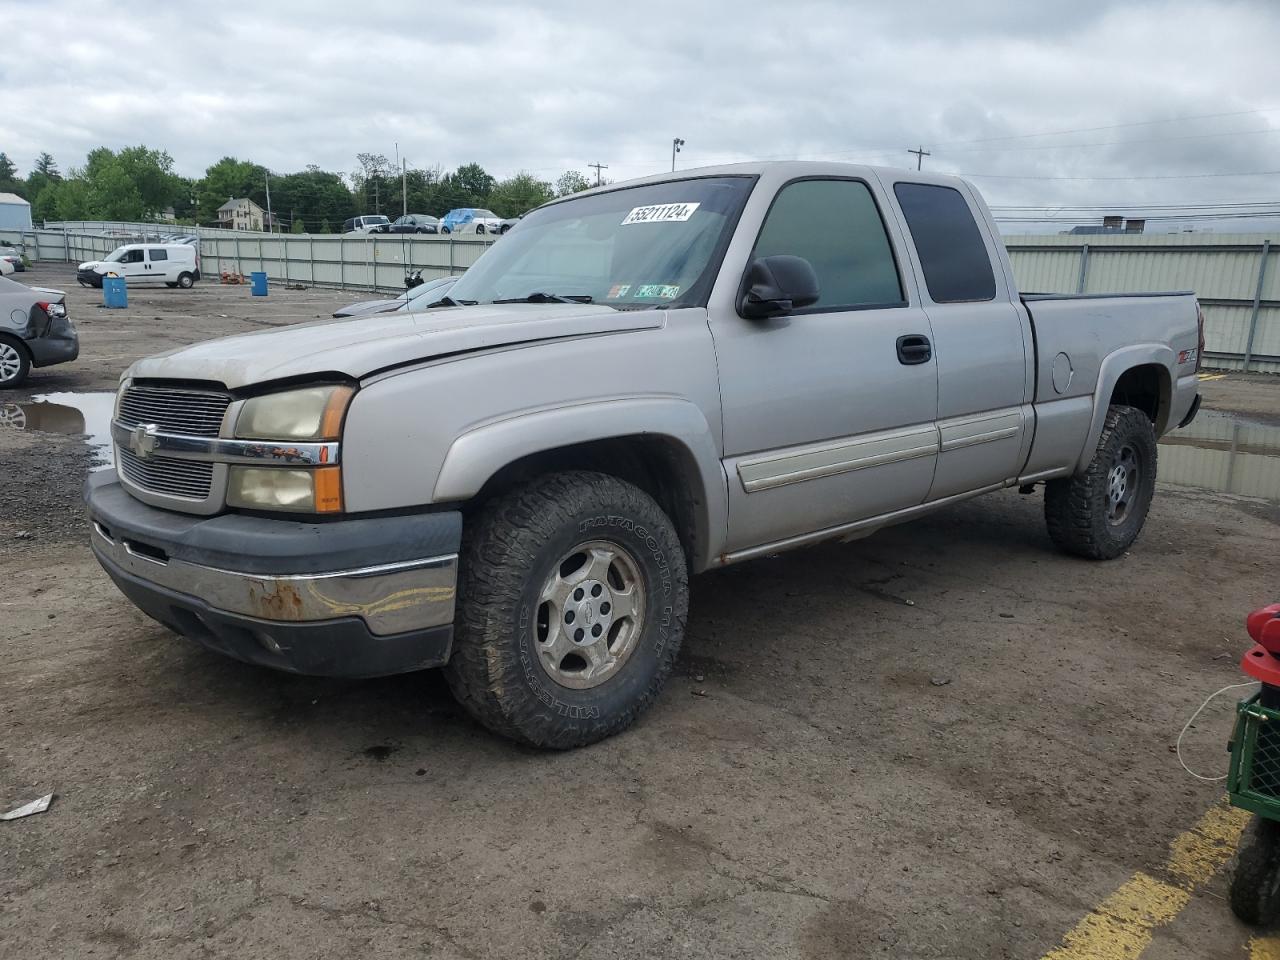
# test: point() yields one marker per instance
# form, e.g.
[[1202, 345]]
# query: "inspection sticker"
[[661, 213], [662, 291]]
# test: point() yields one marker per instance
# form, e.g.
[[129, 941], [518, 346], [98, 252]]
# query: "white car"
[[173, 264], [471, 220], [6, 267]]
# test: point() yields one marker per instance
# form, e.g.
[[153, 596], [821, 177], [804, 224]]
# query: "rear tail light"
[[1264, 627], [54, 310], [1200, 335]]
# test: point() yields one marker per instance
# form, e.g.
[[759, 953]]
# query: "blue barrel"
[[115, 293], [259, 281]]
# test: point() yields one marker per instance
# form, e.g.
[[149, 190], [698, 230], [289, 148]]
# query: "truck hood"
[[358, 346]]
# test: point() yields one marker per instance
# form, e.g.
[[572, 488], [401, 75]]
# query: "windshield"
[[651, 246], [115, 255], [376, 220]]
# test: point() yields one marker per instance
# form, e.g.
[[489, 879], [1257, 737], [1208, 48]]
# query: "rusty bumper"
[[356, 597]]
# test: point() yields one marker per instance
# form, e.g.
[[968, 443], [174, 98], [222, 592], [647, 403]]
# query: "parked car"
[[662, 377], [173, 264], [366, 224], [470, 220], [508, 223], [14, 258], [432, 290], [35, 331], [7, 267], [411, 223]]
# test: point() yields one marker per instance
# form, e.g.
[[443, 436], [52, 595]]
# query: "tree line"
[[139, 184]]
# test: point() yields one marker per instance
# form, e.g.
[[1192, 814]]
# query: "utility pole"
[[920, 153], [598, 167], [676, 144], [404, 192], [267, 179]]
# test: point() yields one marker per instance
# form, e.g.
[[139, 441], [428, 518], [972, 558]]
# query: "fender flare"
[[481, 452], [1114, 365]]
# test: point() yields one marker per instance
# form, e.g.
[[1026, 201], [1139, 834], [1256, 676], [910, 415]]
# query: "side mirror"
[[777, 285]]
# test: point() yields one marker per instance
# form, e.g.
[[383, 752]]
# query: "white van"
[[173, 264]]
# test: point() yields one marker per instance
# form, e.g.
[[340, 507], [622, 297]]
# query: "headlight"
[[313, 413], [283, 488]]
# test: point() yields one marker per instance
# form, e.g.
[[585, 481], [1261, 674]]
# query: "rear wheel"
[[15, 364], [186, 281], [572, 603], [1100, 513]]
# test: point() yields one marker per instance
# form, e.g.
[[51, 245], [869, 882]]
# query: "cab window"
[[132, 256], [158, 255], [835, 225], [956, 265]]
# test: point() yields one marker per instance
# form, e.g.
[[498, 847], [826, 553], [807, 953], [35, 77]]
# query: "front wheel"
[[1255, 884], [1099, 514], [572, 604]]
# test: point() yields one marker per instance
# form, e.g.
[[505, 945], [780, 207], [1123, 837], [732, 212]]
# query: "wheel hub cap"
[[10, 362], [1122, 485], [590, 614]]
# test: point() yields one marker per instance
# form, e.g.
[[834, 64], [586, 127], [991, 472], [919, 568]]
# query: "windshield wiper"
[[539, 297], [447, 301]]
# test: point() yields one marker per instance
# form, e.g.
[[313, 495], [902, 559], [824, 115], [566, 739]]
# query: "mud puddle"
[[86, 415], [1225, 454]]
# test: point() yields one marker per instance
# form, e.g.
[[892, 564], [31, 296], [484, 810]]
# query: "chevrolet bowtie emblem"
[[142, 440]]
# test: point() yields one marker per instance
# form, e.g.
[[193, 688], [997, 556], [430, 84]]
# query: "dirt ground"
[[947, 740]]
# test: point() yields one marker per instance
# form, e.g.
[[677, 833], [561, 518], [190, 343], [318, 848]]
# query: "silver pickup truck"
[[637, 383]]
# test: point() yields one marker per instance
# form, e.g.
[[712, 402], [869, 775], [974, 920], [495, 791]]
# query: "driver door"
[[827, 419]]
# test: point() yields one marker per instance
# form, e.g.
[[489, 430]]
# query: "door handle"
[[914, 348]]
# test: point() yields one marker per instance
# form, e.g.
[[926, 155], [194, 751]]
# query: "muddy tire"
[[1255, 884], [1100, 513], [572, 601], [15, 362]]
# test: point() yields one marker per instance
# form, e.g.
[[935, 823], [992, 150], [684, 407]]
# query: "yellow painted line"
[[1213, 376], [1123, 925], [1196, 855], [1264, 948]]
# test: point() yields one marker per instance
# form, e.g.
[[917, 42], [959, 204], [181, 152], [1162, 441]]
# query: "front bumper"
[[91, 277], [350, 598]]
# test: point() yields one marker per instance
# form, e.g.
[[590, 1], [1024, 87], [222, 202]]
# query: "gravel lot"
[[947, 740]]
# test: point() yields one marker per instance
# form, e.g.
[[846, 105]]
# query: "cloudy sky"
[[1162, 102]]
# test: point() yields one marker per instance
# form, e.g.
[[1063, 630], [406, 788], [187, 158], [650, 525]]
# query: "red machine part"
[[1262, 661]]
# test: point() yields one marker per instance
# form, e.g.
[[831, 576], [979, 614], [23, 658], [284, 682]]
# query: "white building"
[[15, 213], [241, 213]]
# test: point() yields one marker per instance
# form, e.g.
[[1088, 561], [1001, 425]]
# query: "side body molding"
[[478, 454], [1113, 367]]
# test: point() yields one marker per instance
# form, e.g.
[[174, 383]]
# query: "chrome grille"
[[194, 413], [190, 479]]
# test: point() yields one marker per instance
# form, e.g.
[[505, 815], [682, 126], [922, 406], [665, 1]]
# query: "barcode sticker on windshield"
[[661, 213]]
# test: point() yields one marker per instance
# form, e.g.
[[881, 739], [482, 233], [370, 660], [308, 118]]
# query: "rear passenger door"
[[157, 267], [825, 422], [981, 339]]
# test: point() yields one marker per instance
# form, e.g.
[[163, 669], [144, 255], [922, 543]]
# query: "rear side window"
[[834, 224], [957, 267], [159, 255]]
